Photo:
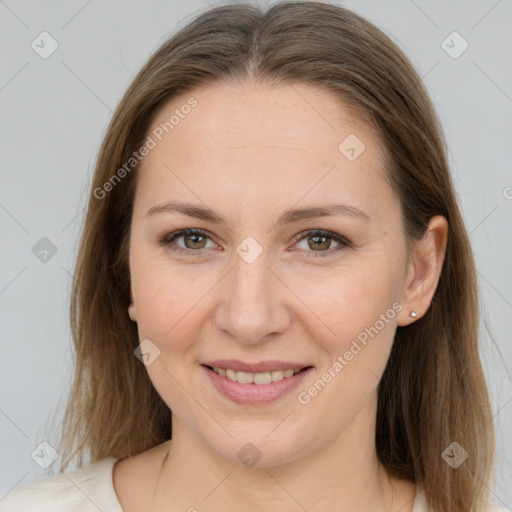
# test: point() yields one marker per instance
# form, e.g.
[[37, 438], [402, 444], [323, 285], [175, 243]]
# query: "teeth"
[[255, 378]]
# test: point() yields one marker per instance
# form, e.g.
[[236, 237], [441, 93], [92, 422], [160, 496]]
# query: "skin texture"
[[249, 152]]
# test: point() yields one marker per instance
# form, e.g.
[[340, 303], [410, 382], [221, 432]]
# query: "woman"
[[273, 252]]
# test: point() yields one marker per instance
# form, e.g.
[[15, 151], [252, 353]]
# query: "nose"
[[253, 304]]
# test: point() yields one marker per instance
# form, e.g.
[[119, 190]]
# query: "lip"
[[265, 366], [256, 394]]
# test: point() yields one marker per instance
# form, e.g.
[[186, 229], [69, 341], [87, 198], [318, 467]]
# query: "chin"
[[260, 450]]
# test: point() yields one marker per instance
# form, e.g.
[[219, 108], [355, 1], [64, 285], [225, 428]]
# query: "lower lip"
[[254, 394]]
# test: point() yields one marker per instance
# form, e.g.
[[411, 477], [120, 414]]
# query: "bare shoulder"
[[139, 472]]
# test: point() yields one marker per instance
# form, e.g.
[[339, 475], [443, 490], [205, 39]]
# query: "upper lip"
[[264, 366]]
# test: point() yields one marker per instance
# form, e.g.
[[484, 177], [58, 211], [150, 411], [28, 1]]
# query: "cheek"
[[170, 303], [171, 313], [357, 319], [346, 300], [355, 311]]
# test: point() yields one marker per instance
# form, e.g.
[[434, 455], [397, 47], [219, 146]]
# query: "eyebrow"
[[287, 217]]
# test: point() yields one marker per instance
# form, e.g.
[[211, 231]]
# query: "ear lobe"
[[424, 270], [131, 308], [131, 312]]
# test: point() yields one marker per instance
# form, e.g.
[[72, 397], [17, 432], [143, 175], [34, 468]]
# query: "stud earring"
[[413, 314]]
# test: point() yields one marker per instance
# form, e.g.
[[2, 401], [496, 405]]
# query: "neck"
[[345, 475]]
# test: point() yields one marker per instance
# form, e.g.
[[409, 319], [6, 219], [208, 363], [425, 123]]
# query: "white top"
[[90, 489]]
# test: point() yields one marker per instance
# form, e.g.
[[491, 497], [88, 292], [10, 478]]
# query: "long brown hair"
[[433, 390]]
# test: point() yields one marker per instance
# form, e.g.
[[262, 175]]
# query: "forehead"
[[305, 117], [258, 140]]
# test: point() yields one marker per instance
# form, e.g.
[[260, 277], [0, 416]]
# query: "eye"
[[195, 241], [319, 241]]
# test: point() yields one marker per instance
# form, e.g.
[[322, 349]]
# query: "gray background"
[[55, 112]]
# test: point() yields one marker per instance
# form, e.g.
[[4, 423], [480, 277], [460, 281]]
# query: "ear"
[[424, 270], [131, 308]]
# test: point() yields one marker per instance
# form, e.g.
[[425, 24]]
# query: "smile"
[[255, 378], [255, 388]]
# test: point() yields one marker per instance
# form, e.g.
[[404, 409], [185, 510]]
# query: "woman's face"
[[262, 285]]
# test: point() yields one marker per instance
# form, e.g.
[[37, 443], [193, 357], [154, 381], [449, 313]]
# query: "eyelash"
[[167, 239]]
